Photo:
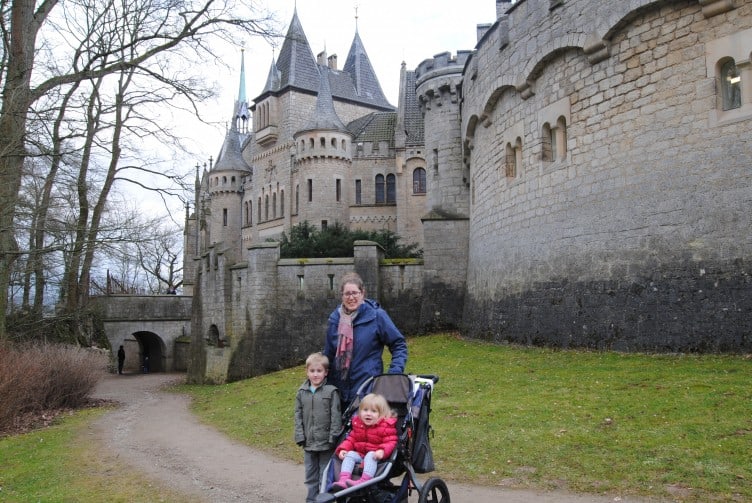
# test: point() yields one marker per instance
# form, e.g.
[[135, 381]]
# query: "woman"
[[356, 335]]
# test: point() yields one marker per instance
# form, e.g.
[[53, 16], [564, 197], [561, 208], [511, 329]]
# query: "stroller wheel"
[[434, 491]]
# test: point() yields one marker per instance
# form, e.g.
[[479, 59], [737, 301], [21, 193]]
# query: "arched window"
[[517, 156], [334, 142], [297, 199], [274, 205], [510, 166], [380, 189], [250, 212], [548, 143], [281, 203], [266, 207], [323, 142], [391, 189], [344, 145], [560, 152], [419, 181], [731, 88]]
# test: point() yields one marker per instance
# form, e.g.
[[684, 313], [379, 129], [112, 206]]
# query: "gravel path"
[[154, 432]]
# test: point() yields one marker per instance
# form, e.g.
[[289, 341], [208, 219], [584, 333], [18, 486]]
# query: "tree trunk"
[[24, 26]]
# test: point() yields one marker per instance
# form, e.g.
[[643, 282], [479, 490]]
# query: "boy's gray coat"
[[318, 417]]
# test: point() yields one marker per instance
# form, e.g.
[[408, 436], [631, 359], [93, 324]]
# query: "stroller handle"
[[431, 377]]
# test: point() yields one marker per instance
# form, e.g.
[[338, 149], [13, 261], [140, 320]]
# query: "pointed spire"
[[324, 116], [241, 91], [242, 114], [359, 66], [272, 79], [296, 63]]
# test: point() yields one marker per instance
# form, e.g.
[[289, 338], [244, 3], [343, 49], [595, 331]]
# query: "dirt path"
[[154, 432]]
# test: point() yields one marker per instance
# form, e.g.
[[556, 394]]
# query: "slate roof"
[[324, 116], [413, 117], [374, 127], [359, 66], [296, 67], [230, 158]]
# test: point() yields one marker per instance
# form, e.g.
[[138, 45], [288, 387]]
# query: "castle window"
[[281, 203], [224, 180], [324, 225], [297, 199], [274, 205], [391, 189], [310, 190], [380, 189], [510, 166], [517, 156], [419, 181], [258, 212], [338, 190], [334, 142], [224, 217], [554, 141], [302, 145], [312, 143], [547, 143], [731, 90], [250, 213], [560, 143], [323, 142], [232, 180], [358, 192], [266, 207], [344, 145]]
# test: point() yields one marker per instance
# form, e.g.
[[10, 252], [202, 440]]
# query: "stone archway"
[[151, 346]]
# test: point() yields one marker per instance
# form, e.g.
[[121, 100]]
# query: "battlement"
[[441, 64]]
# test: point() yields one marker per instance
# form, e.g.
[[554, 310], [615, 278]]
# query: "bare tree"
[[131, 40]]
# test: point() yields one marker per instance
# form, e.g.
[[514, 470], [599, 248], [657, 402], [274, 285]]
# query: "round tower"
[[446, 225], [438, 86], [324, 163]]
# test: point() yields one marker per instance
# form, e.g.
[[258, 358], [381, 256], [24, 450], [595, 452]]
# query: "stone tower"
[[446, 225], [324, 162]]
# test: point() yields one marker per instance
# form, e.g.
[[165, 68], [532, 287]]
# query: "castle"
[[581, 178]]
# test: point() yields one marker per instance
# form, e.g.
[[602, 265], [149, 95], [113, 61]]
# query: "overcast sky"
[[392, 31]]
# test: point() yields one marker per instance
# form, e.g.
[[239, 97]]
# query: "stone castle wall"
[[271, 313], [637, 236]]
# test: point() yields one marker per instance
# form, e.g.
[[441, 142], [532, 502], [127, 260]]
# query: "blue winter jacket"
[[372, 330]]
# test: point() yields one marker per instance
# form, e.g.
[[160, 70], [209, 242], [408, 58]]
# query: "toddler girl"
[[373, 438]]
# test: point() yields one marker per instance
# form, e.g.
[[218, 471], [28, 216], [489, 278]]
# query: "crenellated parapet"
[[438, 79]]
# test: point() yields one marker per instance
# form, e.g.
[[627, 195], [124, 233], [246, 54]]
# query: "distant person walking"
[[121, 359]]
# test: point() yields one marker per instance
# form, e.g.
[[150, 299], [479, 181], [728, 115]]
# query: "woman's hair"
[[378, 402], [352, 278], [317, 358]]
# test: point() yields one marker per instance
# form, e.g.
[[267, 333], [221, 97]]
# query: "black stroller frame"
[[409, 396]]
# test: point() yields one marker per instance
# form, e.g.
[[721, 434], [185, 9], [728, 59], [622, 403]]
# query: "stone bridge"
[[153, 326]]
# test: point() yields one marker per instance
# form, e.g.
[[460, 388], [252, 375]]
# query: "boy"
[[318, 421]]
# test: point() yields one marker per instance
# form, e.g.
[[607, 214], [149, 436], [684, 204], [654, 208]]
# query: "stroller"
[[410, 398]]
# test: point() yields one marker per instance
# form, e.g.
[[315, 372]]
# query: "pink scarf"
[[343, 358]]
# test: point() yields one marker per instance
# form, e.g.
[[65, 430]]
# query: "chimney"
[[321, 58], [502, 6], [333, 61]]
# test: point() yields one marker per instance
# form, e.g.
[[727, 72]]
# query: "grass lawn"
[[60, 464], [667, 426]]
